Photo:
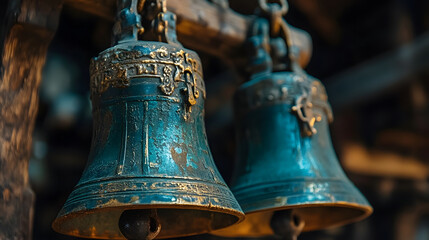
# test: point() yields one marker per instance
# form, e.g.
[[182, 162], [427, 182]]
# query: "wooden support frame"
[[27, 29], [206, 27]]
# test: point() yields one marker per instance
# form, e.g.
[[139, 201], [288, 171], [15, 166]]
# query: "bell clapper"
[[139, 224], [286, 225]]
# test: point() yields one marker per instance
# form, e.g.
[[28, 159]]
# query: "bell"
[[285, 159], [149, 154]]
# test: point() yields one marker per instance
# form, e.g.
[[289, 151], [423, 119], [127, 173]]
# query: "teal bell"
[[285, 158], [149, 152]]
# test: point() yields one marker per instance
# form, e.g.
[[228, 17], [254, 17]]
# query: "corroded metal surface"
[[279, 167], [285, 156], [149, 147]]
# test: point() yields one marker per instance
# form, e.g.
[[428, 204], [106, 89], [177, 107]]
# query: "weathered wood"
[[102, 8], [27, 28], [206, 27], [371, 78]]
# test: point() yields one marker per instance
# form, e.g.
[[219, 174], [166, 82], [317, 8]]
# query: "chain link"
[[161, 21], [275, 11]]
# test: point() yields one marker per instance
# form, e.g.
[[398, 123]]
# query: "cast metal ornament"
[[119, 65], [149, 147], [285, 159]]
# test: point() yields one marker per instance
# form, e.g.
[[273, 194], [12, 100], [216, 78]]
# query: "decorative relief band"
[[150, 185], [303, 93], [115, 68]]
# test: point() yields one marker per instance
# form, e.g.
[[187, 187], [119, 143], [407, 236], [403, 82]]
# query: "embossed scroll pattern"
[[117, 67], [301, 92]]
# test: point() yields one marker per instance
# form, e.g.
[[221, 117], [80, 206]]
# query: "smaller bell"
[[285, 159]]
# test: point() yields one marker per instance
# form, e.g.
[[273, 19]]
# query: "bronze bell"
[[285, 157], [149, 148]]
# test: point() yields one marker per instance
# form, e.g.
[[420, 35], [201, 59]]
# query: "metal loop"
[[149, 9], [159, 20], [270, 8], [286, 35], [274, 11]]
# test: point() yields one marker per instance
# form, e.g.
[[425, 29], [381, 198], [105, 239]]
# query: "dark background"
[[369, 54]]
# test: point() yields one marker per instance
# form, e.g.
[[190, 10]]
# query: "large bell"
[[286, 159], [149, 148]]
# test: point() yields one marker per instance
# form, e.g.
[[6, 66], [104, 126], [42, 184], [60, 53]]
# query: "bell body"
[[149, 148], [280, 165]]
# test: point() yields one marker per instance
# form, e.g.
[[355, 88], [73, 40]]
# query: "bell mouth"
[[176, 221], [316, 216]]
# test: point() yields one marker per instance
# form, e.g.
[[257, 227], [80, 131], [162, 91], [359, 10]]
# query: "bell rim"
[[366, 211], [240, 216]]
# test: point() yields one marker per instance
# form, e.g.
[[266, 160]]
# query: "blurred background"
[[373, 57]]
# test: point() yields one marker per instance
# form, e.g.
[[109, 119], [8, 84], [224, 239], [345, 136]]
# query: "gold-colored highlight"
[[315, 216]]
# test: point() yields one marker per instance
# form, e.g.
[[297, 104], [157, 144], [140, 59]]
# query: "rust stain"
[[110, 203], [180, 157], [74, 232], [93, 230], [79, 208]]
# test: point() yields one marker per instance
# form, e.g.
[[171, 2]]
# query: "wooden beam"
[[365, 81], [205, 27], [27, 29], [102, 8]]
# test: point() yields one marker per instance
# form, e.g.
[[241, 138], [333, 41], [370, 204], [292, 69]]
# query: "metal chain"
[[280, 34], [149, 9], [161, 21], [274, 11]]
